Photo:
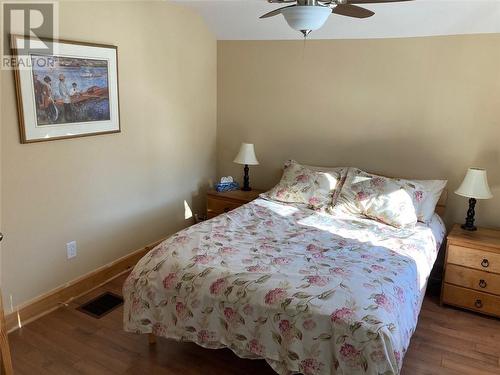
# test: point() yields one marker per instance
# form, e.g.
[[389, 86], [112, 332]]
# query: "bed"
[[308, 292]]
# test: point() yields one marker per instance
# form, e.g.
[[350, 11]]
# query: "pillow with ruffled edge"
[[391, 201], [433, 190], [342, 171], [393, 206], [303, 185]]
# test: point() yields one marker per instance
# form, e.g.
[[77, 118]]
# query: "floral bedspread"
[[308, 292]]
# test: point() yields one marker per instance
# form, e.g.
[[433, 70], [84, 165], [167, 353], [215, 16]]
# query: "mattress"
[[308, 292]]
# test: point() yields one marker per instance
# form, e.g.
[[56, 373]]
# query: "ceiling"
[[238, 20]]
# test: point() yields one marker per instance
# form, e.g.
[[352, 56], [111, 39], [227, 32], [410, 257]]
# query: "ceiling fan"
[[308, 15]]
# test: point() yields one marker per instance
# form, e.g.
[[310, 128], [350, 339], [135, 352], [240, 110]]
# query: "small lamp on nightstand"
[[474, 186], [246, 156]]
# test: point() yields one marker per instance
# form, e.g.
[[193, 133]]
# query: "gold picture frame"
[[71, 91]]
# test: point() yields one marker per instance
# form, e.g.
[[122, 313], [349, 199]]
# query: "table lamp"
[[246, 156], [474, 186]]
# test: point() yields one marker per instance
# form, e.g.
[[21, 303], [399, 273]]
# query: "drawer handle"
[[482, 283], [478, 303], [485, 263]]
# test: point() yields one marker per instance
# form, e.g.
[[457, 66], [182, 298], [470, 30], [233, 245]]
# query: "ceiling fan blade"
[[374, 1], [275, 12], [352, 11]]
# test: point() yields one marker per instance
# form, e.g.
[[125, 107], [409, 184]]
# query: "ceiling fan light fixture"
[[306, 18]]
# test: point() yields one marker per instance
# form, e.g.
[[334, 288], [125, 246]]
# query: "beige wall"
[[419, 107], [113, 193]]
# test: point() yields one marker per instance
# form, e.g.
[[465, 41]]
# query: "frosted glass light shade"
[[306, 17], [246, 155], [475, 185]]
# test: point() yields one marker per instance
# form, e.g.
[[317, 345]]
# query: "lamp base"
[[246, 179], [469, 220], [465, 227]]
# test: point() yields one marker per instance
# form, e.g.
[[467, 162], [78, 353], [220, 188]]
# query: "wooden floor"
[[447, 341]]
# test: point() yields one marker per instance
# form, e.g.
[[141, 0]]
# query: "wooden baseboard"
[[62, 295]]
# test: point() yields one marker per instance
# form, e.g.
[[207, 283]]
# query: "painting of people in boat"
[[70, 90]]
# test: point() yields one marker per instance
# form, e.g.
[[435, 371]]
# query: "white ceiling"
[[238, 20]]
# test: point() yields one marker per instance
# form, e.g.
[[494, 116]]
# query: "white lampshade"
[[246, 155], [306, 17], [475, 185]]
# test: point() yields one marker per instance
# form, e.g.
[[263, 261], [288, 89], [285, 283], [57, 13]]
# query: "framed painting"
[[71, 92]]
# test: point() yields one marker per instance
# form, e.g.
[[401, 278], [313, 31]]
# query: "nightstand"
[[472, 270], [219, 203]]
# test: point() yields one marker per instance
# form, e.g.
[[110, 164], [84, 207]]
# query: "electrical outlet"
[[71, 249]]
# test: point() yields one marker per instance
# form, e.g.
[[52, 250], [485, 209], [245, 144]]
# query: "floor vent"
[[101, 305]]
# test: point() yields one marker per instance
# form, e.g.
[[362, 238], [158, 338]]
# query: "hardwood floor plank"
[[447, 342], [91, 368], [478, 365], [56, 365], [488, 349], [466, 368], [422, 368], [72, 343]]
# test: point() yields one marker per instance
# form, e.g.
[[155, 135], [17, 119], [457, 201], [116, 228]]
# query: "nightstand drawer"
[[470, 299], [478, 259], [473, 279], [222, 202], [219, 206]]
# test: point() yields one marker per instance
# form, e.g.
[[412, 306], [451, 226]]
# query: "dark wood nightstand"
[[219, 203], [472, 270]]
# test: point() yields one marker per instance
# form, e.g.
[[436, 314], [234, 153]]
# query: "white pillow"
[[394, 207], [303, 185], [391, 201], [432, 192], [341, 171]]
